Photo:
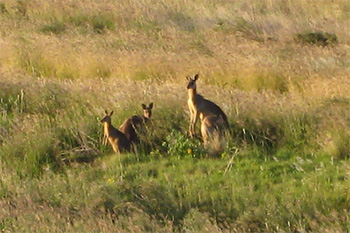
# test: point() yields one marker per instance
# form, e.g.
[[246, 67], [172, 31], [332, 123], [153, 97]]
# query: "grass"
[[284, 166]]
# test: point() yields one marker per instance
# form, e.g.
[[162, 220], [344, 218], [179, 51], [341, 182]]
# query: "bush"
[[178, 144], [317, 38]]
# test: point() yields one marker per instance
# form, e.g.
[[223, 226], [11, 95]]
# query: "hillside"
[[279, 69]]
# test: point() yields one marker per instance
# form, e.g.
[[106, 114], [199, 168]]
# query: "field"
[[279, 69]]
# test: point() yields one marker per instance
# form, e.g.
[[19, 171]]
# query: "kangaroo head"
[[192, 82], [147, 110], [107, 118]]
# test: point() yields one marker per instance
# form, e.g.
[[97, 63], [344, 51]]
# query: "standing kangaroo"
[[130, 125], [117, 139], [200, 107]]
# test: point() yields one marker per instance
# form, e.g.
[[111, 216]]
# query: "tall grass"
[[284, 165]]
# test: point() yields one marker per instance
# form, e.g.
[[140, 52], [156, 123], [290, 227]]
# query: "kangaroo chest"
[[191, 104], [106, 129], [194, 107]]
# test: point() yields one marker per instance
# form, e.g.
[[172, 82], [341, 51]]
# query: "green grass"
[[271, 177]]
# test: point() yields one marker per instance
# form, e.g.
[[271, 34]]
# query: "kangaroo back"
[[130, 126], [207, 108]]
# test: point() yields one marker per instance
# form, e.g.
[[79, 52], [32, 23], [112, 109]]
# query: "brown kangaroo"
[[130, 125], [117, 139], [211, 128], [200, 107]]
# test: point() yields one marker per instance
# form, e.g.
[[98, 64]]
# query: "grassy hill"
[[279, 69]]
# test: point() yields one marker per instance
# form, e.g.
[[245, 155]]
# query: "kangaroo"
[[200, 107], [211, 128], [130, 125], [117, 139]]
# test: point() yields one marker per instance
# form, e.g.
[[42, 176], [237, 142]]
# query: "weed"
[[54, 27], [102, 71], [3, 9], [247, 29], [101, 23], [36, 64], [337, 144], [21, 7], [79, 19], [202, 48], [182, 20]]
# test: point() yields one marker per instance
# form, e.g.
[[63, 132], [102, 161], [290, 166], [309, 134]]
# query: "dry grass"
[[158, 40]]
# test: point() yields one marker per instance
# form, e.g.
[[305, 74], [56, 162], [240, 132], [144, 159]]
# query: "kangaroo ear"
[[106, 112], [111, 113], [195, 77], [143, 106], [150, 106], [188, 78]]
